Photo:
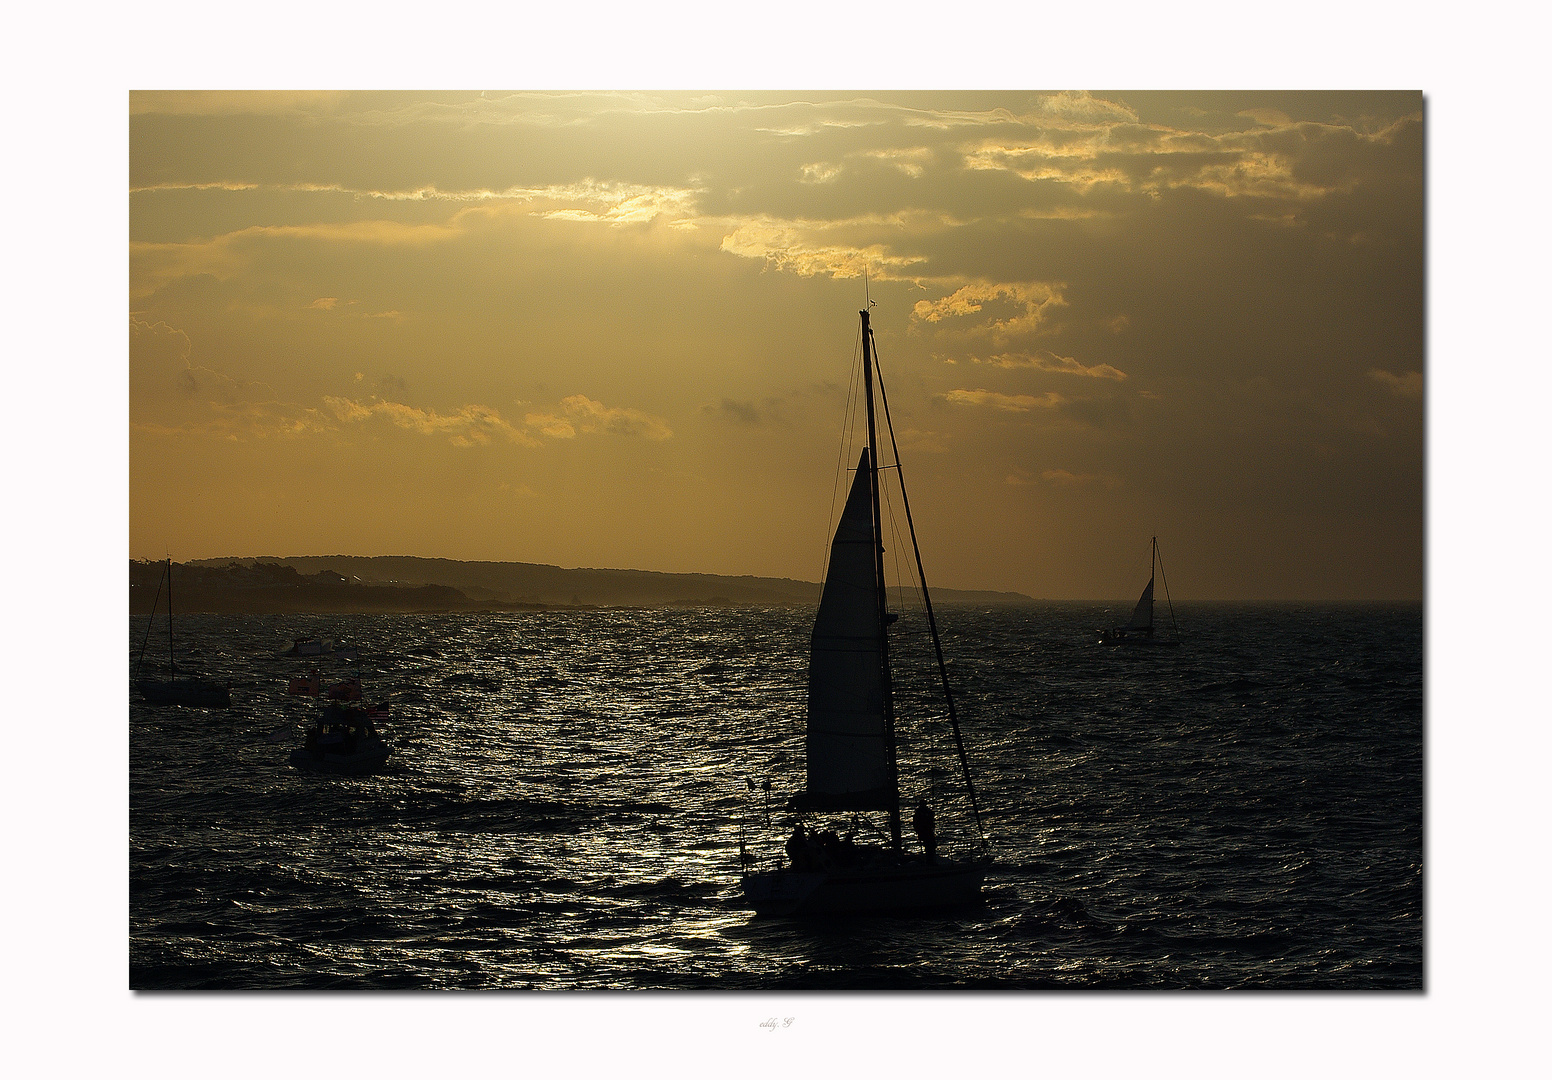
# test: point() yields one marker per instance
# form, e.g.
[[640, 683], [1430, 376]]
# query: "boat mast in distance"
[[1139, 629]]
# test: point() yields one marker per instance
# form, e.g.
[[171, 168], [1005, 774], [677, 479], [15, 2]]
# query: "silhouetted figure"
[[797, 847], [923, 822]]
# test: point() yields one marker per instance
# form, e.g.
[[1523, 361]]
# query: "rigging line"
[[908, 579], [1164, 579], [932, 622], [894, 529]]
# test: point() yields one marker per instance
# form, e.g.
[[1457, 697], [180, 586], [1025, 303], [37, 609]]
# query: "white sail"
[[848, 762], [1142, 614]]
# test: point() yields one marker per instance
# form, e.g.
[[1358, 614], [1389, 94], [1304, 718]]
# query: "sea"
[[572, 794]]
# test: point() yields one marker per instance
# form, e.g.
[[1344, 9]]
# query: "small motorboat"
[[310, 646], [345, 741]]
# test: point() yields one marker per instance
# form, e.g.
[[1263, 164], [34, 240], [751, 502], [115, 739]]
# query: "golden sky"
[[617, 329]]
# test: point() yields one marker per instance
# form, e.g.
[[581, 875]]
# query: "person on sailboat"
[[797, 847], [923, 822]]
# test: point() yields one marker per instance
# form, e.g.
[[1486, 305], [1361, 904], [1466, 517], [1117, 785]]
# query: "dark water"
[[568, 793]]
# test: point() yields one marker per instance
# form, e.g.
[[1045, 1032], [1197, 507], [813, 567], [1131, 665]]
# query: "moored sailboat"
[[1138, 630], [850, 737], [205, 693]]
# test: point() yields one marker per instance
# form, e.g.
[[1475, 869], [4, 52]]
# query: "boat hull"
[[878, 889], [1132, 635], [363, 762], [198, 692]]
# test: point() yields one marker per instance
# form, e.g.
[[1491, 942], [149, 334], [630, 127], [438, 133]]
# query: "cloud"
[[1071, 162], [1096, 412], [163, 374], [1049, 361], [797, 246], [158, 343], [1005, 402], [172, 396], [912, 161], [1063, 213], [617, 204], [1084, 108], [472, 425], [744, 412], [581, 413], [238, 422], [918, 441], [1409, 385], [1063, 478], [155, 264], [1034, 297], [1082, 141], [235, 102], [1266, 117], [612, 202]]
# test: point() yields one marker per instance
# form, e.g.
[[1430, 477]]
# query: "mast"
[[882, 591], [172, 669]]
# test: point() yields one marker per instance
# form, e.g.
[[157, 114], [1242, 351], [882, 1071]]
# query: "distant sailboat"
[[850, 737], [206, 693], [1139, 629]]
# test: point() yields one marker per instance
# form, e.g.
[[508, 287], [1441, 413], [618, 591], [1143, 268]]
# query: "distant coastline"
[[390, 583]]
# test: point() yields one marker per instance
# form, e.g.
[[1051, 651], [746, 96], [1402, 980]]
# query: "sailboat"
[[173, 690], [1139, 629], [850, 736]]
